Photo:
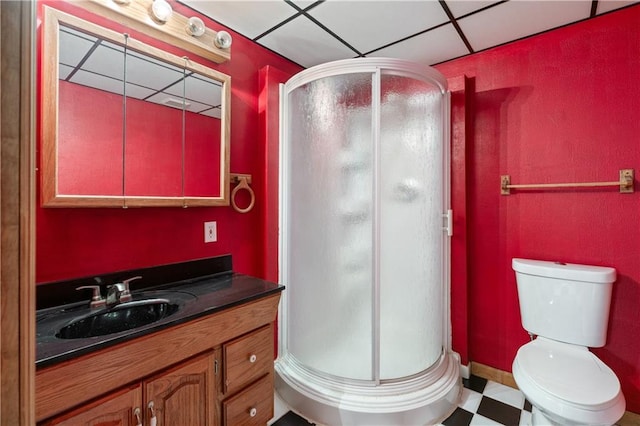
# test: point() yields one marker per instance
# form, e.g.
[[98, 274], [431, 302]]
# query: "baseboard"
[[493, 374], [465, 371], [505, 378], [629, 419]]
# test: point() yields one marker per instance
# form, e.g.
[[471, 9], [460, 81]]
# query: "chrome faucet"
[[119, 292], [114, 294]]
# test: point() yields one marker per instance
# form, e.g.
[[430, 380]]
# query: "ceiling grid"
[[313, 32]]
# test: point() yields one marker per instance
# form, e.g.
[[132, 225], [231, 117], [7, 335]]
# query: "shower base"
[[423, 399]]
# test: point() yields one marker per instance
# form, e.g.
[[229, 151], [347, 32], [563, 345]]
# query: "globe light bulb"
[[195, 26], [161, 10], [223, 40]]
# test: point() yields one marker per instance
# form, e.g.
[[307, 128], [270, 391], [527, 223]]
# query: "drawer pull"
[[253, 412], [136, 412], [153, 421], [253, 358]]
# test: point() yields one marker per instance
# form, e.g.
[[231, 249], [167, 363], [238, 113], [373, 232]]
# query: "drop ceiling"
[[425, 31]]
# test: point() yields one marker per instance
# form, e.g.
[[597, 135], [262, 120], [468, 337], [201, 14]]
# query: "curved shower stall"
[[364, 245]]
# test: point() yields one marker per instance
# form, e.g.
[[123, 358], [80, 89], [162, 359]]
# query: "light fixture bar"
[[137, 15]]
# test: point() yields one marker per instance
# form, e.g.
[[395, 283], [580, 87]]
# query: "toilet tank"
[[563, 301]]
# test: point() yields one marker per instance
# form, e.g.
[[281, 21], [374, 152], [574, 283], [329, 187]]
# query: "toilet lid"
[[568, 372]]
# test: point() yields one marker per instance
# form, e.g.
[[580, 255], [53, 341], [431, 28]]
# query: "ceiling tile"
[[368, 25], [429, 48], [249, 18], [64, 71], [303, 4], [213, 112], [605, 6], [138, 92], [516, 19], [106, 61], [305, 43], [75, 46], [148, 74], [98, 81], [462, 7], [204, 90]]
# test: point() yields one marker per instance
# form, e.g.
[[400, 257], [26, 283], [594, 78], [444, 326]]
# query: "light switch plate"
[[210, 232]]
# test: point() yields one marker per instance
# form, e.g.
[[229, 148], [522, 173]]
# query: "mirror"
[[126, 124]]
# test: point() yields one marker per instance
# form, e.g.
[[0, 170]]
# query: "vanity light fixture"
[[195, 26], [161, 11], [157, 18], [223, 40]]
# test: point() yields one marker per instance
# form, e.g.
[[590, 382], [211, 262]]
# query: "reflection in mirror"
[[153, 136], [136, 126], [202, 124], [90, 69]]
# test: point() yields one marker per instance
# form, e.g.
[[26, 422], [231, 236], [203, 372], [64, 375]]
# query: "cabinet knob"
[[253, 358], [253, 412]]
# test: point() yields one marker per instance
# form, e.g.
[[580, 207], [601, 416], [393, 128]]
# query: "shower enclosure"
[[364, 245]]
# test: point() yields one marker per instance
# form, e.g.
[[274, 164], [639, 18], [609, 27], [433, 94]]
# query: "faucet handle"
[[127, 281], [126, 294], [96, 300]]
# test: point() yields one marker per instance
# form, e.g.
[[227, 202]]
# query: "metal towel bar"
[[625, 183]]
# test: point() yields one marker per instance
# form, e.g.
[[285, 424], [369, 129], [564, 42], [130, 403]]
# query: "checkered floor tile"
[[483, 403], [489, 403]]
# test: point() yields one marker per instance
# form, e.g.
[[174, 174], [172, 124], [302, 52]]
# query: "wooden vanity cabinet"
[[184, 395], [217, 370]]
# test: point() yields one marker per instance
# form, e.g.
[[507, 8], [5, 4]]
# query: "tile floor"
[[483, 403], [489, 403]]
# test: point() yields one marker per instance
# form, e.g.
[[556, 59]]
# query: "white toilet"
[[567, 307]]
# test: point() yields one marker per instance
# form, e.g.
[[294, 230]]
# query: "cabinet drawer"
[[252, 406], [247, 358]]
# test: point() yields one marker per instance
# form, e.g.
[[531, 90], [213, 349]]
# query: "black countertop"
[[196, 296]]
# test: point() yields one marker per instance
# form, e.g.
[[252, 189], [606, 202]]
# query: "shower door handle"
[[448, 225]]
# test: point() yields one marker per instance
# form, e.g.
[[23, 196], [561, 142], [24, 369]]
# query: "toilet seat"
[[568, 381]]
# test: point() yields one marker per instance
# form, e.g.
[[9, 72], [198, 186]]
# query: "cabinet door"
[[116, 409], [183, 395]]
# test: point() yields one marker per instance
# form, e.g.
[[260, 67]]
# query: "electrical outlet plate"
[[210, 232]]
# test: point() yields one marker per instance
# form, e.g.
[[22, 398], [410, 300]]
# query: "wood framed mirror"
[[125, 124]]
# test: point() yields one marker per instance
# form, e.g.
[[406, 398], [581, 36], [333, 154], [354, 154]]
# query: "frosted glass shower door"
[[411, 202], [364, 337], [330, 325]]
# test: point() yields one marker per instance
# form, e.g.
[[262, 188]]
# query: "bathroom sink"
[[122, 317]]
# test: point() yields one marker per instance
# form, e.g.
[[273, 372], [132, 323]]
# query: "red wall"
[[84, 241], [154, 142], [559, 107]]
